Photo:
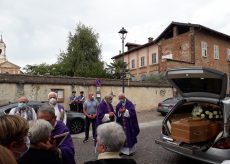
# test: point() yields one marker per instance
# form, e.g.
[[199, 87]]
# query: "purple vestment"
[[129, 124], [67, 147], [103, 108]]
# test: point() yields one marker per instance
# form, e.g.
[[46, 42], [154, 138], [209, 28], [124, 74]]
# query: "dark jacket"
[[37, 156], [112, 161]]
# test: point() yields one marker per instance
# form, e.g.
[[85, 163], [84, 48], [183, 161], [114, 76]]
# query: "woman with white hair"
[[110, 140], [39, 134]]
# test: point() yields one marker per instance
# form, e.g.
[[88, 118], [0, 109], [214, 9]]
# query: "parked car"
[[166, 105], [5, 109], [75, 120], [198, 125]]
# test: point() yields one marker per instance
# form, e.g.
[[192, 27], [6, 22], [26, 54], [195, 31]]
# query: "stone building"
[[5, 65], [179, 45]]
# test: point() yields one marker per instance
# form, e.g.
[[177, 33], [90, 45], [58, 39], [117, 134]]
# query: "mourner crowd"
[[42, 137]]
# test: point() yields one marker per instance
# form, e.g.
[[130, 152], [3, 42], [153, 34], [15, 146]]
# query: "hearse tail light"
[[223, 143]]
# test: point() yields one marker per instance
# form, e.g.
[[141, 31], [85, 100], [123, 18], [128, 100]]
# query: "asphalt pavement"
[[146, 119]]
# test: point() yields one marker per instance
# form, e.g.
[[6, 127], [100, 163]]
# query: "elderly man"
[[67, 148], [127, 118], [40, 132], [110, 139], [24, 110], [105, 111], [59, 109]]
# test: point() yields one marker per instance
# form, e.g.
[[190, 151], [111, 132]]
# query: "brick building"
[[179, 45], [5, 65]]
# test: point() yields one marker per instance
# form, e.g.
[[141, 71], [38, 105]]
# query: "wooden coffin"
[[214, 129], [191, 130]]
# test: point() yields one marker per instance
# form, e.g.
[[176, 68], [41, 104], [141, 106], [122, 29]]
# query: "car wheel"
[[163, 113], [76, 126]]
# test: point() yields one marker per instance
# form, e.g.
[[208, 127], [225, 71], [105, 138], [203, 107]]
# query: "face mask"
[[122, 101], [53, 101], [22, 105], [110, 101], [27, 143]]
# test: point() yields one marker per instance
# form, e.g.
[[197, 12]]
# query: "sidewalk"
[[148, 116]]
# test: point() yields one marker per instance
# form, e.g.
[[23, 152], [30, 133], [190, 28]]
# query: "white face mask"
[[53, 101]]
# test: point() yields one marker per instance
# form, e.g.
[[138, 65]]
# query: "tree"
[[44, 69], [37, 69], [83, 56], [115, 69]]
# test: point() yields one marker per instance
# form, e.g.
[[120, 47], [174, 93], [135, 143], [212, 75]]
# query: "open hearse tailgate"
[[198, 82]]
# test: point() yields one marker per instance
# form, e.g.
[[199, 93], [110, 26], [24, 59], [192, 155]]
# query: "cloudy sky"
[[35, 31]]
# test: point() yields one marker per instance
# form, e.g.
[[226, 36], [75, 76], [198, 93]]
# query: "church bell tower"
[[2, 51]]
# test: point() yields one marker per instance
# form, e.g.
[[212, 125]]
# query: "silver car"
[[165, 106], [75, 120], [198, 126]]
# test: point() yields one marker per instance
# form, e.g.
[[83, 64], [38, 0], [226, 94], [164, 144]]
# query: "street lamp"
[[123, 32]]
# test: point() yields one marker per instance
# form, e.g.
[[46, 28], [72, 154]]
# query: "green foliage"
[[83, 57], [37, 69], [155, 77], [44, 69], [115, 69], [83, 54]]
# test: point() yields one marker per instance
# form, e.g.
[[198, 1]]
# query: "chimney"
[[175, 31], [150, 39]]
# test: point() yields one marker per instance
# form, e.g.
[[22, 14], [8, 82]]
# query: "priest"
[[127, 118], [105, 111]]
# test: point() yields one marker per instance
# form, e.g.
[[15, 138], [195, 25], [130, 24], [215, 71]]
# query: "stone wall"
[[146, 95]]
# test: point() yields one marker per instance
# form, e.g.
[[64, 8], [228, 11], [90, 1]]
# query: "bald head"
[[109, 98], [121, 95], [90, 95], [23, 99]]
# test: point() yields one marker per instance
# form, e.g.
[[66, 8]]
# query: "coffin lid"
[[198, 82]]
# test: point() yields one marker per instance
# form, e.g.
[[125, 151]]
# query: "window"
[[216, 52], [133, 63], [228, 54], [154, 58], [204, 49], [142, 61]]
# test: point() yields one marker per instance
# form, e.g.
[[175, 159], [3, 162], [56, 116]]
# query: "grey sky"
[[36, 30]]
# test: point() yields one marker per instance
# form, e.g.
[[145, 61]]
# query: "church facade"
[[5, 65]]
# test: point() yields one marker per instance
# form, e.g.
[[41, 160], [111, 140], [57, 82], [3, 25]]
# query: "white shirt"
[[23, 113], [58, 114]]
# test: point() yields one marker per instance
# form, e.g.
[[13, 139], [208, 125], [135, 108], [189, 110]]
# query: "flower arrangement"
[[211, 114]]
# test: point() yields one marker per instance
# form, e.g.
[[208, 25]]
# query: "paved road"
[[147, 151]]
